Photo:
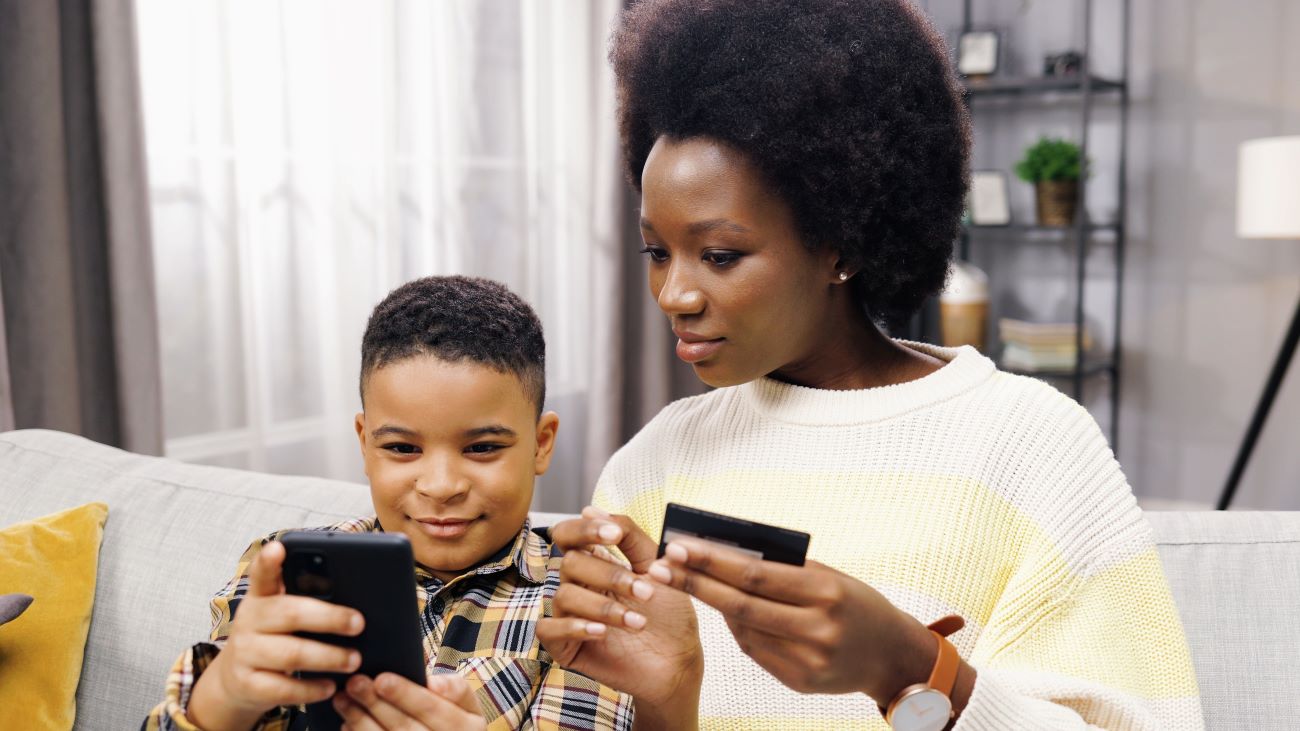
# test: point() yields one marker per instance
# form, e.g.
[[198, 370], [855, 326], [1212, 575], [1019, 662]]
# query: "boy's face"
[[451, 450]]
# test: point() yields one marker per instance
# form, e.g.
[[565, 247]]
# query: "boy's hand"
[[615, 626], [253, 672], [393, 703]]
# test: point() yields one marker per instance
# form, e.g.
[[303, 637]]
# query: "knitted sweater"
[[969, 491]]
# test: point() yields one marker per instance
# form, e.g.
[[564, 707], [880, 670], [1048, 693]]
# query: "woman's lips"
[[694, 352], [444, 528]]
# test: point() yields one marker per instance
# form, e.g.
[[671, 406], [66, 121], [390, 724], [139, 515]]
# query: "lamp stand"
[[1261, 411]]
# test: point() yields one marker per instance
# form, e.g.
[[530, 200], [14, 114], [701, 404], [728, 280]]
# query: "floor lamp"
[[1268, 207]]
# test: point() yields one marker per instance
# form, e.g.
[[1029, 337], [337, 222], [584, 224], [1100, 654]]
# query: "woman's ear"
[[547, 426], [838, 269]]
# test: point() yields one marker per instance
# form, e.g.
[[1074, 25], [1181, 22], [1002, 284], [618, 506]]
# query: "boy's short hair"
[[458, 319]]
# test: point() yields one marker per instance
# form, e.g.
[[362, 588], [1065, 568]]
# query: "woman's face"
[[745, 296]]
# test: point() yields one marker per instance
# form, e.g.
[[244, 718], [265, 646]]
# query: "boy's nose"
[[442, 486]]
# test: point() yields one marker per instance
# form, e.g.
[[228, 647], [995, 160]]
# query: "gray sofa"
[[174, 531]]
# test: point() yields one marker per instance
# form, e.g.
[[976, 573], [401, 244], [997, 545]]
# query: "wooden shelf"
[[1089, 370], [999, 86]]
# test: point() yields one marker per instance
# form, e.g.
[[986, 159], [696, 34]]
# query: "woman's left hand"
[[815, 629], [393, 703]]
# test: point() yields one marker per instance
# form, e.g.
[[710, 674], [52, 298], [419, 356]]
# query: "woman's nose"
[[679, 295]]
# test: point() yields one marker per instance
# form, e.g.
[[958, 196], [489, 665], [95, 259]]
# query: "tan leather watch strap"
[[944, 674]]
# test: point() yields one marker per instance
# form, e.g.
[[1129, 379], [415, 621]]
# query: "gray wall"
[[1204, 311]]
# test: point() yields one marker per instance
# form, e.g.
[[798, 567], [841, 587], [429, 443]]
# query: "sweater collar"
[[965, 369]]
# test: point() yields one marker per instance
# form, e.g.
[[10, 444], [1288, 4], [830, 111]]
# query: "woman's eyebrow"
[[706, 226], [716, 224]]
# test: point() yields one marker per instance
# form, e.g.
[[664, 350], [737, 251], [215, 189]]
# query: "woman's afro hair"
[[849, 107]]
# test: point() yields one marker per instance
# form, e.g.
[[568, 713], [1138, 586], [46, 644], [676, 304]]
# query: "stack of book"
[[1040, 346]]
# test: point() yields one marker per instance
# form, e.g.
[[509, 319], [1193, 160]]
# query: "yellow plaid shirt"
[[482, 624]]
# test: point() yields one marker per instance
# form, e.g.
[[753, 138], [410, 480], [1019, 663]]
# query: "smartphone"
[[373, 573]]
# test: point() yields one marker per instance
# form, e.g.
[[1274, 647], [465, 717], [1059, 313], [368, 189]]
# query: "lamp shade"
[[1268, 188]]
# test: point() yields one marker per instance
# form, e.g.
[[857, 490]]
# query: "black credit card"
[[768, 542]]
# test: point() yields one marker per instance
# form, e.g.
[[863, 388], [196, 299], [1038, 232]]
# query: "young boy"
[[453, 435]]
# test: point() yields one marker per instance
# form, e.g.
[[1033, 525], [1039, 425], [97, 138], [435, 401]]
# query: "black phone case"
[[375, 574]]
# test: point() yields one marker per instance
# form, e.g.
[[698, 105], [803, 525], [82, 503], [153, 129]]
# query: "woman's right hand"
[[618, 627], [253, 673]]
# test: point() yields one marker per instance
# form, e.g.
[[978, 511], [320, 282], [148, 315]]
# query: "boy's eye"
[[484, 448], [721, 258], [401, 448], [656, 253]]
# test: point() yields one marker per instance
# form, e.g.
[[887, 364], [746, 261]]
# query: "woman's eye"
[[401, 448], [656, 254], [484, 448], [721, 258]]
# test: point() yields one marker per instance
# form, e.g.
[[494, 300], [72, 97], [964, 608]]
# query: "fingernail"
[[660, 573], [354, 661], [676, 552], [597, 511], [634, 620], [356, 623], [610, 532], [642, 589], [595, 628]]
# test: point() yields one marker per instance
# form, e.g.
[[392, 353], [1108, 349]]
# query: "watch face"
[[925, 710]]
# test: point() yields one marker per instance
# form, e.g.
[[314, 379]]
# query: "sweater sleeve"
[[1086, 633]]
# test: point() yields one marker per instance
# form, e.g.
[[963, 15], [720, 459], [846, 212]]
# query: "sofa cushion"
[[166, 515], [53, 559], [1235, 577]]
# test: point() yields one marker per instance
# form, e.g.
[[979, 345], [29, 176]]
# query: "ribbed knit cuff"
[[996, 706]]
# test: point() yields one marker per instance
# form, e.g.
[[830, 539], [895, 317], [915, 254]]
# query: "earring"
[[844, 276]]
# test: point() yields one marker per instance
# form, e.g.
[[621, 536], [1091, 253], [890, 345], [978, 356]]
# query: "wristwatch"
[[928, 706]]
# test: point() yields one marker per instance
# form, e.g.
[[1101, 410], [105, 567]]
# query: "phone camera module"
[[309, 575]]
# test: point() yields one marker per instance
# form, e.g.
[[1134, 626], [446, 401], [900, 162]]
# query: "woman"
[[801, 167]]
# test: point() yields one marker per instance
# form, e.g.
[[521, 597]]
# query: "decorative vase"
[[1056, 201]]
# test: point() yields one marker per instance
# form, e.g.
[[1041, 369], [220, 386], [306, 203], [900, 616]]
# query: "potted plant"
[[1054, 166]]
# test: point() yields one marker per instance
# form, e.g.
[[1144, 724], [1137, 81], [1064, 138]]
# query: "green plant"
[[1050, 159]]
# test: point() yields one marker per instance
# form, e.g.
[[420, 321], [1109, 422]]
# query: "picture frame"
[[978, 52], [988, 201]]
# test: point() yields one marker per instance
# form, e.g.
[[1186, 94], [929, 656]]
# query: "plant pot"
[[1056, 201]]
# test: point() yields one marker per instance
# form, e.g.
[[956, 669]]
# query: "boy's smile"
[[451, 450]]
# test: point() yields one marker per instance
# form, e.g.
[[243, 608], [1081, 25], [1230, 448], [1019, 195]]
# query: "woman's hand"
[[815, 629], [253, 672], [618, 628], [393, 703]]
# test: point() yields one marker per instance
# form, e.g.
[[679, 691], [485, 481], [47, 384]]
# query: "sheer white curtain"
[[305, 157]]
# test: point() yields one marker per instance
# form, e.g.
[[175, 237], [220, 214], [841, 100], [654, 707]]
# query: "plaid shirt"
[[480, 624]]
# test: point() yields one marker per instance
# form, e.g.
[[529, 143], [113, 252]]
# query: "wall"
[[1204, 311]]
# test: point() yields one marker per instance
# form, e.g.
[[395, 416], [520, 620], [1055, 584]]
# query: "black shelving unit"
[[1085, 88]]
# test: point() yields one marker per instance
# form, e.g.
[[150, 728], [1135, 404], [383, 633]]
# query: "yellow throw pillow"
[[54, 560]]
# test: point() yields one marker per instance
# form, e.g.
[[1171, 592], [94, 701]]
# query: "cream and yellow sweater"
[[969, 491]]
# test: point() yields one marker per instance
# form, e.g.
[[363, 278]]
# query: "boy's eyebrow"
[[492, 429], [387, 429]]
